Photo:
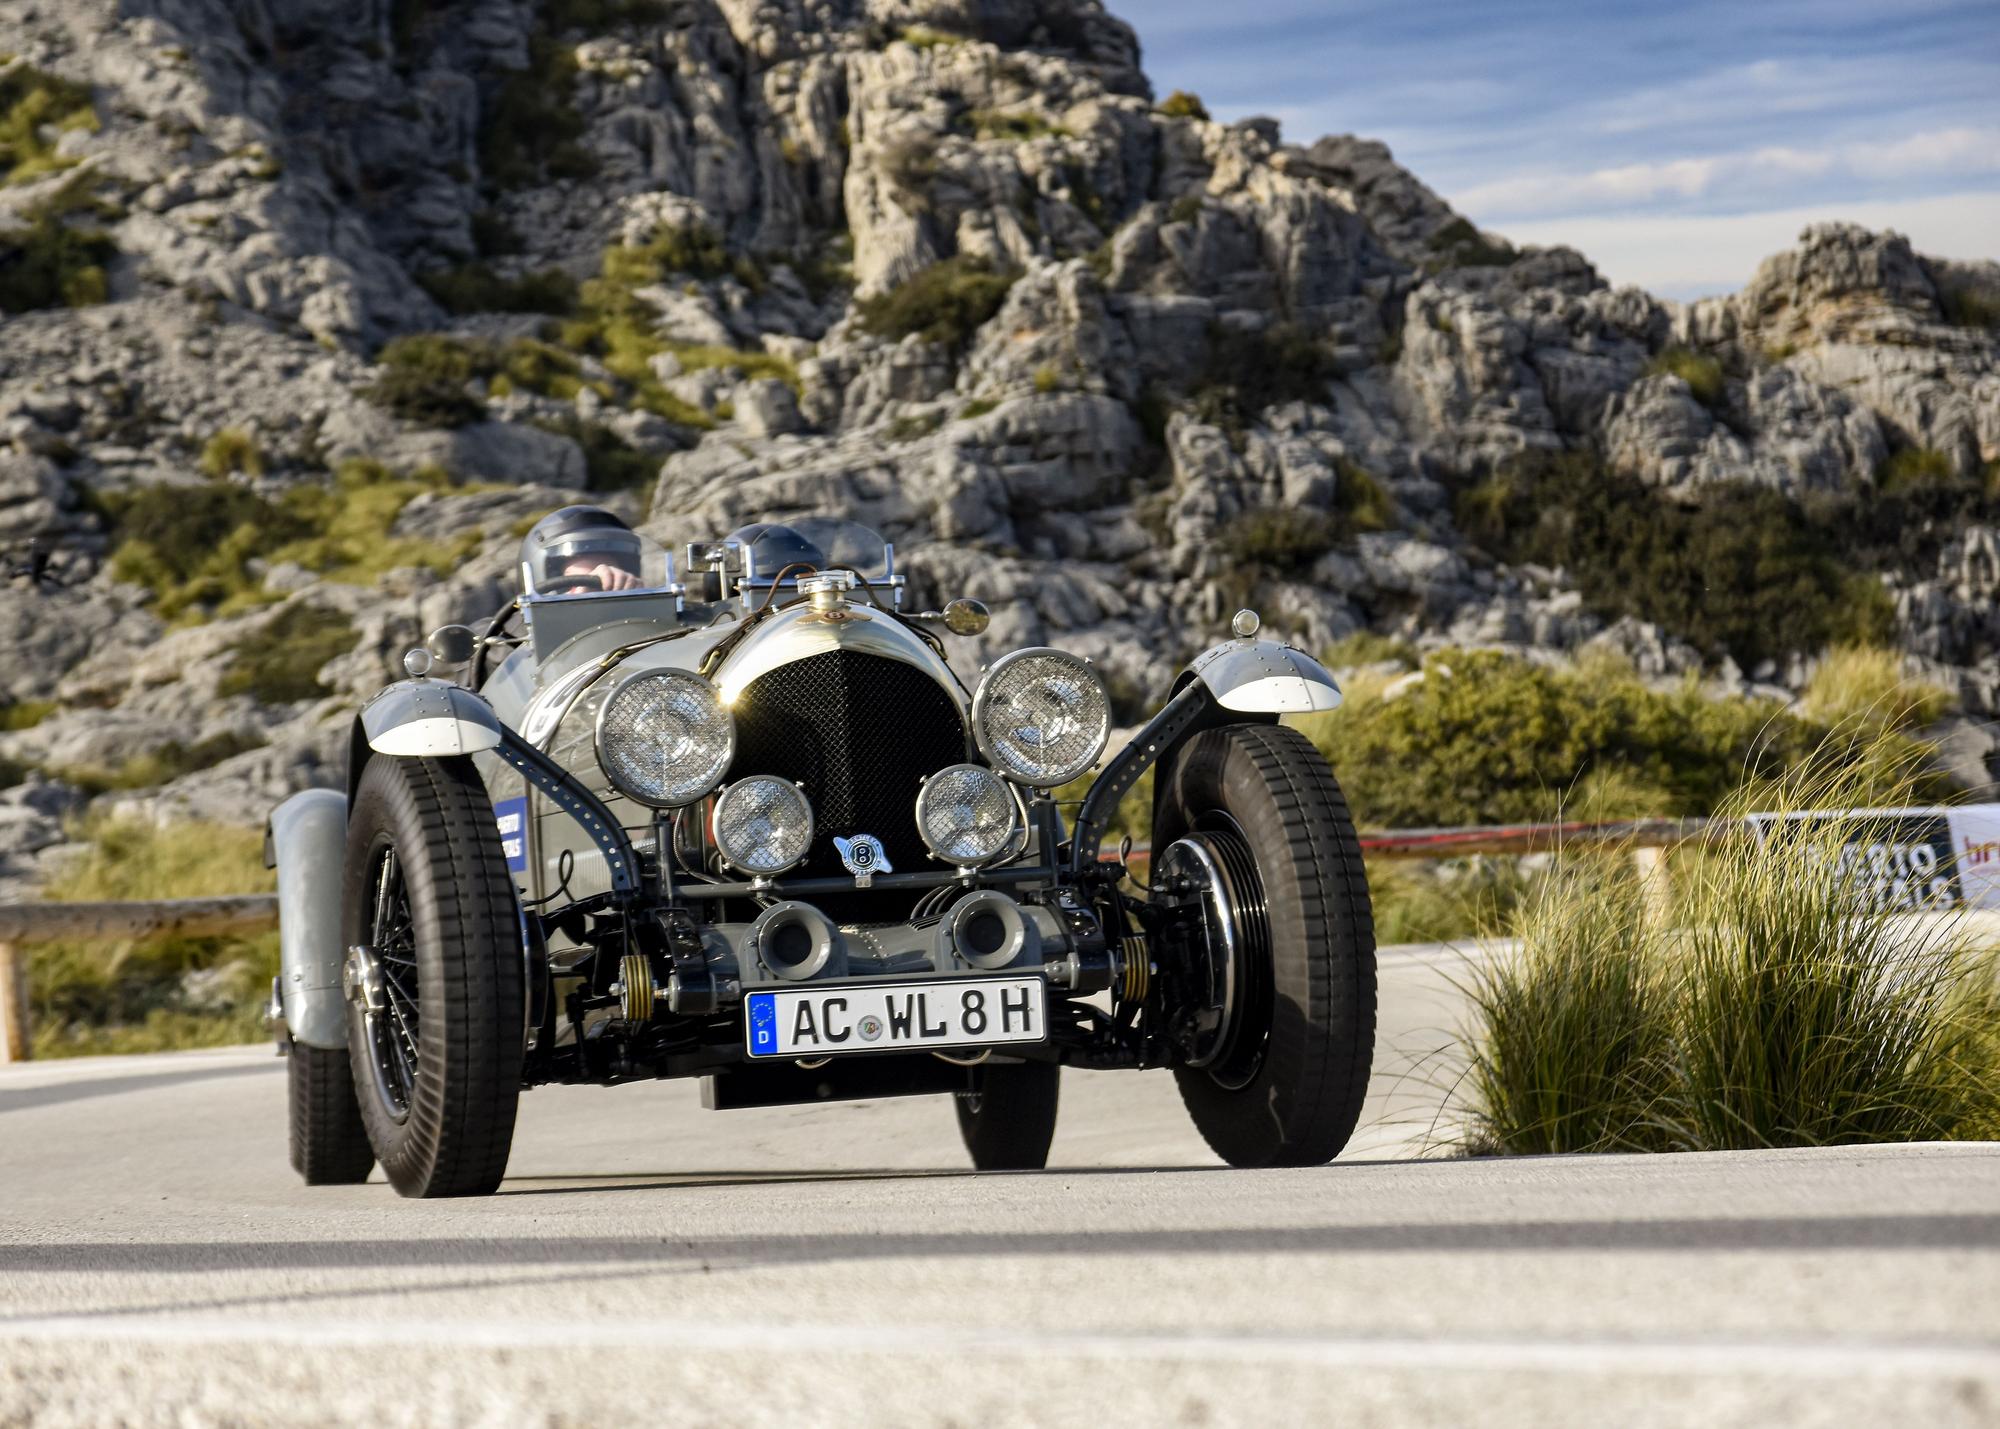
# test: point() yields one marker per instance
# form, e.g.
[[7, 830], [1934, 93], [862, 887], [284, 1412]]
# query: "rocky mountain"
[[310, 308]]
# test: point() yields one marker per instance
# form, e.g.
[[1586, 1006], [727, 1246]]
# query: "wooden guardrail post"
[[16, 1045]]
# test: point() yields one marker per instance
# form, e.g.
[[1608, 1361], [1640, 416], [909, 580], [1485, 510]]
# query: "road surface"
[[649, 1262]]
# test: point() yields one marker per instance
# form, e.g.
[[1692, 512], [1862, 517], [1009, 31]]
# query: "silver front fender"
[[309, 839], [1264, 677], [429, 719]]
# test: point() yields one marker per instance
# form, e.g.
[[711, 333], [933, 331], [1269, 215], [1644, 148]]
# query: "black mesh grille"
[[859, 732]]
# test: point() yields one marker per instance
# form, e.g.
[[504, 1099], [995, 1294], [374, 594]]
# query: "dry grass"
[[156, 994], [1868, 688]]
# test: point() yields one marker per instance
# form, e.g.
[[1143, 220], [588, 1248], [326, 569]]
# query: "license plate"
[[889, 1017]]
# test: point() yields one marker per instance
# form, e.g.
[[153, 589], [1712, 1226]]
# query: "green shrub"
[[1968, 304], [1748, 573], [1183, 105], [493, 235], [1185, 209], [695, 357], [1360, 500], [1013, 126], [613, 463], [1485, 738], [1912, 468], [58, 259], [978, 407], [423, 379], [477, 288], [926, 38], [597, 16], [696, 252], [911, 428], [189, 544], [1250, 370], [530, 129], [1459, 245], [279, 662], [1365, 647], [192, 546], [946, 303], [232, 451], [25, 714], [1702, 374], [89, 998], [1277, 539], [32, 101]]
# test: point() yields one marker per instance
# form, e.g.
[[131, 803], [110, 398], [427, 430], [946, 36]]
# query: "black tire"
[[1008, 1118], [441, 1121], [329, 1143], [1296, 1077]]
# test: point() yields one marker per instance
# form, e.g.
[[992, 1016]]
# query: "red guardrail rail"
[[1513, 839]]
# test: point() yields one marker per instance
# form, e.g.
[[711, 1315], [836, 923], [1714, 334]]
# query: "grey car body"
[[642, 947]]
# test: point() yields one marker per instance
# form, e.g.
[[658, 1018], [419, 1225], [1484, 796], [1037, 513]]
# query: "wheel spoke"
[[393, 1037]]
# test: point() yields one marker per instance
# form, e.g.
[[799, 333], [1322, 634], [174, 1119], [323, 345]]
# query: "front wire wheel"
[[1276, 1015], [434, 976]]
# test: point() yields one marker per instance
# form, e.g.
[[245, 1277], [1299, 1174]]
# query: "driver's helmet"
[[772, 547], [571, 543]]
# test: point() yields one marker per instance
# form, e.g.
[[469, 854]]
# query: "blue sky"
[[1676, 145]]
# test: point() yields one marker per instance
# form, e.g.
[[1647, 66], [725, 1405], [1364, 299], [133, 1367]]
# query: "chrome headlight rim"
[[719, 766], [996, 755], [742, 789], [929, 792]]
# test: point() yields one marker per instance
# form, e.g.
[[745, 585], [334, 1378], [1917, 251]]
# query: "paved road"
[[651, 1262]]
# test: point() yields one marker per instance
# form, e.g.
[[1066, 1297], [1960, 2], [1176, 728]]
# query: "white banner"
[[1918, 858]]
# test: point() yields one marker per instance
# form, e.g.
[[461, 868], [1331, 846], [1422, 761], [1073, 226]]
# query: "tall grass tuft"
[[1811, 1010], [1865, 687], [1572, 1041], [1785, 1002]]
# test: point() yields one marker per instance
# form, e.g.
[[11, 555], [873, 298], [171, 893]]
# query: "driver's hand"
[[615, 578]]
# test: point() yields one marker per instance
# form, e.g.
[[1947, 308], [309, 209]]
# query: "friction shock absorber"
[[1136, 968], [635, 985], [1135, 954]]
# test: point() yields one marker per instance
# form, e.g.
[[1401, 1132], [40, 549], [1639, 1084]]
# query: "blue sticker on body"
[[512, 817], [763, 1023]]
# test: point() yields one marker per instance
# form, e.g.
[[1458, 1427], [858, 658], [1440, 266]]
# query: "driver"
[[580, 549]]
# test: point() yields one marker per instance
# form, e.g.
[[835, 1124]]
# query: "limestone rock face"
[[940, 266]]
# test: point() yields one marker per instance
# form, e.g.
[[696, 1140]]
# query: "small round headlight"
[[1041, 716], [664, 738], [763, 824], [966, 815]]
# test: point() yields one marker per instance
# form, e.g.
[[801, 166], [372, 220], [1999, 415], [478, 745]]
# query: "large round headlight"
[[966, 815], [664, 738], [1041, 716], [763, 824]]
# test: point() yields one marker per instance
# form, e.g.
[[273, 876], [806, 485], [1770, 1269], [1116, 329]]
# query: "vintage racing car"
[[743, 821]]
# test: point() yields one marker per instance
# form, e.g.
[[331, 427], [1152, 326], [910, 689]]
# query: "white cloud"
[[1958, 152], [1690, 256]]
